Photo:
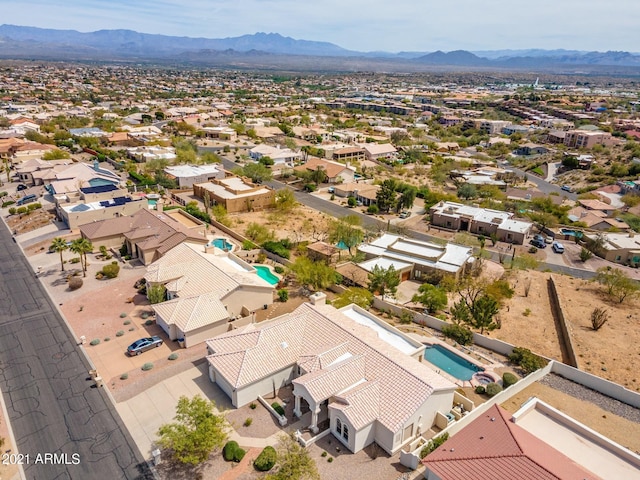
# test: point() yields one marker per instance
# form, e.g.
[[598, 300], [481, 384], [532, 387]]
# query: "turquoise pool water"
[[572, 233], [342, 246], [265, 274], [221, 243], [449, 362]]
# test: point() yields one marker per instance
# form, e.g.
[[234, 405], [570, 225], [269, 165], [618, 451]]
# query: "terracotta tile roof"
[[361, 404], [332, 169], [323, 358], [324, 383], [309, 331], [492, 447], [191, 313]]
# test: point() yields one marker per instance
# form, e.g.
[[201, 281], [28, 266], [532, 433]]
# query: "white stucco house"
[[346, 366], [208, 292]]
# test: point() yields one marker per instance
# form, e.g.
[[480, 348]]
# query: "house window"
[[338, 426], [618, 258], [345, 432]]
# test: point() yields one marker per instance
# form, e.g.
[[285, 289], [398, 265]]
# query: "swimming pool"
[[221, 243], [342, 246], [265, 274], [571, 233], [451, 363], [152, 202]]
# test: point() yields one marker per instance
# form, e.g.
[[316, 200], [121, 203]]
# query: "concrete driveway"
[[145, 413]]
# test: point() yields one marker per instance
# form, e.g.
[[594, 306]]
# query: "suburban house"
[[220, 133], [415, 259], [147, 234], [336, 172], [622, 248], [18, 150], [362, 192], [492, 443], [531, 149], [595, 219], [480, 221], [206, 292], [480, 177], [67, 179], [32, 171], [351, 373], [375, 151], [311, 134], [144, 154], [92, 204], [188, 175], [349, 154], [277, 154], [236, 194]]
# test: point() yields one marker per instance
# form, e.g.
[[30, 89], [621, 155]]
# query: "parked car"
[[538, 242], [21, 187], [405, 214], [557, 247], [144, 344], [566, 188], [548, 239], [331, 189]]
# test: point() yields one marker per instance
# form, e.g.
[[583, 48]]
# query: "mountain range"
[[272, 50]]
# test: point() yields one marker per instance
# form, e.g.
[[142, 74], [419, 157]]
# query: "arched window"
[[338, 426], [345, 432]]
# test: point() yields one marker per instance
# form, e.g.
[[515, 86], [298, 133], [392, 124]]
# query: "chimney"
[[318, 298], [632, 234]]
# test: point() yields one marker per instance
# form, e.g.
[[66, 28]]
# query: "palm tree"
[[59, 245], [82, 246]]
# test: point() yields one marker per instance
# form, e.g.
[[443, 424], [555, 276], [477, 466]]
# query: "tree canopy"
[[431, 297], [386, 196], [384, 281], [196, 431], [294, 461], [317, 275], [360, 296], [618, 285], [346, 230]]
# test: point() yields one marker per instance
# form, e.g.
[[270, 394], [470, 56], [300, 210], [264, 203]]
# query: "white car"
[[557, 247]]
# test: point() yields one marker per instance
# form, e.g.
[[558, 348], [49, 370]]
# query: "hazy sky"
[[364, 25]]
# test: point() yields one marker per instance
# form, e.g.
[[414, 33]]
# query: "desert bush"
[[460, 334], [248, 421], [173, 356], [279, 269], [111, 270], [330, 459], [480, 390], [126, 322], [148, 322], [147, 366], [599, 316], [123, 315], [266, 460], [278, 408], [12, 210], [22, 210], [253, 405], [75, 260], [7, 203], [107, 339], [94, 342], [75, 283], [124, 376], [283, 295], [493, 389], [526, 360], [508, 379], [119, 333], [585, 254], [232, 452]]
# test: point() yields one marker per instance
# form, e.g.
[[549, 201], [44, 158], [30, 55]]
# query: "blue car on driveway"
[[144, 344]]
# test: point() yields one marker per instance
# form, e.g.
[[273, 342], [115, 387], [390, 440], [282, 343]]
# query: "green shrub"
[[279, 269], [373, 209], [480, 390], [248, 421], [75, 260], [433, 444], [508, 379], [122, 315], [283, 295], [119, 333], [111, 270], [232, 452], [75, 283], [252, 405], [526, 360], [173, 356], [124, 376], [94, 342], [330, 459], [278, 408], [144, 315], [22, 210], [147, 366], [132, 329], [324, 454], [3, 194], [107, 339], [460, 334], [126, 322], [277, 248], [33, 206], [7, 203], [148, 322], [493, 389], [248, 245], [12, 210]]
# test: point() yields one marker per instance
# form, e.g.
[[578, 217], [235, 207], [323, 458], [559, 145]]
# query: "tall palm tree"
[[82, 246], [59, 245]]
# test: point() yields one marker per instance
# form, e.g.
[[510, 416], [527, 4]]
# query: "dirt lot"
[[611, 353], [28, 222]]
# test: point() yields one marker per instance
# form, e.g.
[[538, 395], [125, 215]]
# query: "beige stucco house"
[[355, 374], [207, 293], [236, 194]]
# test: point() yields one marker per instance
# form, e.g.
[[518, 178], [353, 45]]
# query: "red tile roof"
[[492, 447]]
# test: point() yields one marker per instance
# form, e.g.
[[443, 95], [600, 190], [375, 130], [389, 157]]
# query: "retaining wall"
[[565, 334]]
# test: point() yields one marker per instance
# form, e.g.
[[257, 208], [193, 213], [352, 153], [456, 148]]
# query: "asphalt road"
[[337, 210], [52, 405]]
